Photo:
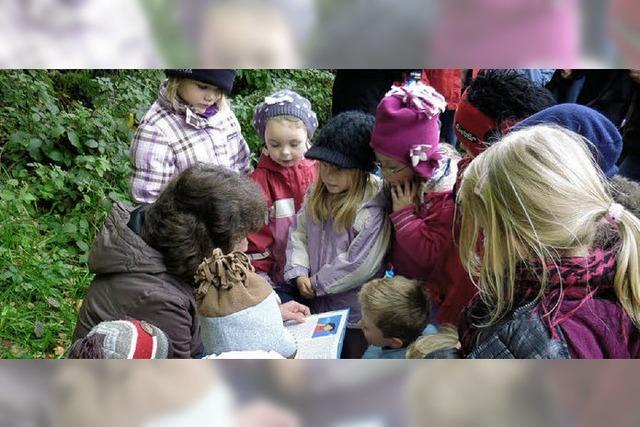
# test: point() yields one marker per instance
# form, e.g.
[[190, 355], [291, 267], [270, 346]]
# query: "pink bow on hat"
[[419, 153]]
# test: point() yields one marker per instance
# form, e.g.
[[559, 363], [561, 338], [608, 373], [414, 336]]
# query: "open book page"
[[321, 335]]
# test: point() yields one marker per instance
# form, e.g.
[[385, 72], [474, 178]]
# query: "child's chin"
[[287, 164]]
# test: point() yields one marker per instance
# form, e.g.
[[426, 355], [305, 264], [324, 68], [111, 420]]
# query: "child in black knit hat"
[[341, 234]]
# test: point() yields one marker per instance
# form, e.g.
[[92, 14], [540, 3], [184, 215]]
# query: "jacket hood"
[[118, 249], [376, 197]]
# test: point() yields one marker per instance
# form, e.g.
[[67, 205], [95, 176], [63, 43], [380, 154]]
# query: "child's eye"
[[202, 87], [295, 144]]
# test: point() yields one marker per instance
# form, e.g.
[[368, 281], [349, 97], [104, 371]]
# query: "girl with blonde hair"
[[556, 259], [190, 122], [340, 236]]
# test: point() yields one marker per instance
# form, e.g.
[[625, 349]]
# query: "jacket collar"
[[191, 117]]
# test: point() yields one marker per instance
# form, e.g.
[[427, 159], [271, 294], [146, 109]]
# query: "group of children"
[[381, 217]]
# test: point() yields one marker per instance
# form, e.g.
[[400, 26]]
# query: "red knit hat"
[[407, 128]]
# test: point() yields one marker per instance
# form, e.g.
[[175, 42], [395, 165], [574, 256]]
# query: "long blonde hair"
[[171, 93], [534, 196], [342, 208]]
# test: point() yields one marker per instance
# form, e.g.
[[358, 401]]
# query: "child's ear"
[[396, 343]]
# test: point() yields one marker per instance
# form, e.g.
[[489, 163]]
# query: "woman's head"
[[200, 89], [406, 134], [203, 208], [494, 102], [538, 195]]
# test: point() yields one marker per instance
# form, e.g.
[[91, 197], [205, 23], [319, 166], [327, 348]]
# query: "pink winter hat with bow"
[[407, 127]]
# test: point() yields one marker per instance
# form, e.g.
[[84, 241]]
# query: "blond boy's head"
[[394, 312]]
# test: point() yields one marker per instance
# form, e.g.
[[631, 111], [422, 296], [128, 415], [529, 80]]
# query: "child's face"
[[337, 180], [394, 172], [198, 95], [371, 332], [286, 142]]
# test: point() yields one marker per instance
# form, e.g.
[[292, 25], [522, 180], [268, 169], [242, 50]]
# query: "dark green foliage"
[[64, 141]]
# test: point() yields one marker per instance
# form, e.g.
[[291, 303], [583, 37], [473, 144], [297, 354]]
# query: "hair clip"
[[389, 274], [614, 213]]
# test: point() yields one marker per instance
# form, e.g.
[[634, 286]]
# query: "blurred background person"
[[76, 34]]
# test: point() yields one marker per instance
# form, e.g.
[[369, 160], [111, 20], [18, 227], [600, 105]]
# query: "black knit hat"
[[344, 142], [220, 78]]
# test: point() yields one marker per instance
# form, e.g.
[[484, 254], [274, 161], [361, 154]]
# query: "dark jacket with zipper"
[[132, 282]]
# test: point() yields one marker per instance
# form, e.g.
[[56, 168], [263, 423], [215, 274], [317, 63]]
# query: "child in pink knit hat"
[[421, 172]]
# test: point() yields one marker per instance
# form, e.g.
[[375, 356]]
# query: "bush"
[[63, 161]]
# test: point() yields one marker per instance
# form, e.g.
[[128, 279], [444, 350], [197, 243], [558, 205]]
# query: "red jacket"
[[446, 81], [284, 190], [424, 249]]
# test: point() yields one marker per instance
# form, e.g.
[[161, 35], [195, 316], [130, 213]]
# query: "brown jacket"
[[132, 282]]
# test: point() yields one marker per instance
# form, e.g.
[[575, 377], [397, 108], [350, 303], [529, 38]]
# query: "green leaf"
[[73, 139], [7, 194], [57, 131], [34, 143], [91, 143], [70, 228], [55, 155], [82, 245]]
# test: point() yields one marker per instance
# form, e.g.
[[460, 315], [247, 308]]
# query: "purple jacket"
[[339, 263]]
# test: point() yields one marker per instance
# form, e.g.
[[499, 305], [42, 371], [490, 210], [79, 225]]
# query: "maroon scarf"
[[570, 279]]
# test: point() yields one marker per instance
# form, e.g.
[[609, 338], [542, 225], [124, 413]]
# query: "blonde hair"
[[171, 93], [534, 196], [343, 207], [396, 306], [445, 339]]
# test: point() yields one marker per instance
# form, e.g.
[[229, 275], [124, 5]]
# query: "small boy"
[[286, 123], [395, 312]]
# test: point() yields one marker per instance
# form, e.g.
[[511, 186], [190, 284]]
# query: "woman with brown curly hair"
[[145, 258]]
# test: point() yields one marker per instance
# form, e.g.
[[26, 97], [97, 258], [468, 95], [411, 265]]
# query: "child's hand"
[[403, 195], [305, 288], [293, 310]]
